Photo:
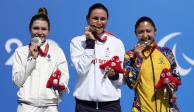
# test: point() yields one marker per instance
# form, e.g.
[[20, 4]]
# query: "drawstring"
[[97, 106]]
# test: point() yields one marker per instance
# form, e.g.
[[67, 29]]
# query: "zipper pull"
[[97, 106]]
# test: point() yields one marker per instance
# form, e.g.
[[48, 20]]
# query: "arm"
[[118, 79], [62, 65], [21, 71], [81, 57], [132, 67], [169, 54]]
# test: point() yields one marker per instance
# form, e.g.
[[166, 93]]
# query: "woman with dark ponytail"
[[97, 89], [146, 65], [40, 69]]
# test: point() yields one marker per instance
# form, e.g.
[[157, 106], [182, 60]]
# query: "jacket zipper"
[[95, 76], [154, 81]]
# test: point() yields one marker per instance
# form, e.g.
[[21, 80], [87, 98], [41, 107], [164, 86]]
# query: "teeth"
[[96, 27]]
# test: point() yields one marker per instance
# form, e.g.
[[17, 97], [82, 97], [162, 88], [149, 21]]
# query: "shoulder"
[[22, 49], [78, 42], [112, 37], [54, 47], [167, 52], [108, 33], [78, 38], [164, 50], [22, 52]]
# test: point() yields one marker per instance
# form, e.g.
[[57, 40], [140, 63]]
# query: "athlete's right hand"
[[88, 33], [34, 50], [139, 50]]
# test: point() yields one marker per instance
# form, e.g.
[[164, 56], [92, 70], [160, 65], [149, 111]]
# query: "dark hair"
[[41, 15], [142, 19], [97, 6]]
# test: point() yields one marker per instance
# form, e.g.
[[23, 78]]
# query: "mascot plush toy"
[[53, 81], [114, 63], [165, 79]]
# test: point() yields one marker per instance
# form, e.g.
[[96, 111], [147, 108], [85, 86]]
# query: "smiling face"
[[98, 20], [145, 31], [39, 29]]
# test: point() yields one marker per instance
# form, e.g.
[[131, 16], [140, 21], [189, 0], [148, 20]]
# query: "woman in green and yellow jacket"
[[143, 66]]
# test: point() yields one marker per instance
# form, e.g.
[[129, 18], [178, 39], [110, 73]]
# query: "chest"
[[153, 65]]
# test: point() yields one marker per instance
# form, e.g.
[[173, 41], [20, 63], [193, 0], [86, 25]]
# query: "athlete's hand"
[[88, 33], [109, 71], [139, 50], [34, 50]]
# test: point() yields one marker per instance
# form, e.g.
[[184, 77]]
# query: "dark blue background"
[[173, 19]]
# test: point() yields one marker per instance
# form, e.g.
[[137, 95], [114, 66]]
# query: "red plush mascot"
[[53, 81], [113, 63], [165, 78]]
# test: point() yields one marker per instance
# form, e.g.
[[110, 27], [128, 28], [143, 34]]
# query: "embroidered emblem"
[[161, 60], [107, 52], [49, 57]]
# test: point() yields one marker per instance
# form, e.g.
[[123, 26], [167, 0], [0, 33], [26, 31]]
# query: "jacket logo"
[[161, 60], [100, 61], [107, 52]]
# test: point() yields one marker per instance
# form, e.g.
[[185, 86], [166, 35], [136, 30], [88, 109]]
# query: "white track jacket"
[[31, 75], [91, 84]]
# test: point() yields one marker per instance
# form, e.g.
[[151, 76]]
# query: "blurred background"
[[174, 20]]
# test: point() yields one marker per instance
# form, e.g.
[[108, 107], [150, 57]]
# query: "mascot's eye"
[[168, 74], [113, 64], [162, 75], [117, 61], [54, 75]]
